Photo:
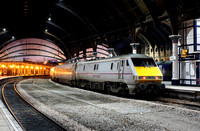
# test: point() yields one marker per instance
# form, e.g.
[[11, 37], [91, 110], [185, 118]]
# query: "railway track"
[[179, 102], [25, 114]]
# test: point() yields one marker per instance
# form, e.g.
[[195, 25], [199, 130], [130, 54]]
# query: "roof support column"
[[174, 58]]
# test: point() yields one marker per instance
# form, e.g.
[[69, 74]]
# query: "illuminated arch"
[[33, 50]]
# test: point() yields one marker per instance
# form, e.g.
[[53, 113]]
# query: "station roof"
[[75, 25]]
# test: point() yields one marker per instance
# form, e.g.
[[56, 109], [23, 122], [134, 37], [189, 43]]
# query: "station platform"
[[182, 92], [5, 77], [181, 88], [7, 121]]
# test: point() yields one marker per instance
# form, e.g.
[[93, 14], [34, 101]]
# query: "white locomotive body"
[[127, 74], [63, 73]]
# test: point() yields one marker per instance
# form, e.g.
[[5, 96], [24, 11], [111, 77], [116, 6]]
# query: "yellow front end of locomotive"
[[149, 74]]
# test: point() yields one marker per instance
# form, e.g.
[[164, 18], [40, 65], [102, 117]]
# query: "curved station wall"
[[30, 56]]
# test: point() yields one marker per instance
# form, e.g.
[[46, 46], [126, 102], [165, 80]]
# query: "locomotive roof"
[[112, 58], [118, 58]]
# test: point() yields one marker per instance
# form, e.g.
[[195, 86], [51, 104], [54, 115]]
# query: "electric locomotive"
[[128, 74]]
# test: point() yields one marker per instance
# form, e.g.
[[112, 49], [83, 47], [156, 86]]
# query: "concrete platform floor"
[[7, 122], [80, 109], [180, 87]]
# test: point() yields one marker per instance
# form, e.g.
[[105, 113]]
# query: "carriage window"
[[83, 67], [97, 67], [111, 67], [127, 64], [148, 62]]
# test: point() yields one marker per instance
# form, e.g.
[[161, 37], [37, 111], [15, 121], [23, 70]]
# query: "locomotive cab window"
[[146, 62], [97, 67], [94, 67]]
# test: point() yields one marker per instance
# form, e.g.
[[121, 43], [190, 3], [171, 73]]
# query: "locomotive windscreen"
[[148, 62]]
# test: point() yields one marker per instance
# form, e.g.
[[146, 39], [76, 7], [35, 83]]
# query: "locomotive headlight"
[[158, 77], [150, 77], [144, 77]]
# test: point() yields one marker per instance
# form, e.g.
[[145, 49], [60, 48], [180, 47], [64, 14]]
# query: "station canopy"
[[77, 25], [31, 50]]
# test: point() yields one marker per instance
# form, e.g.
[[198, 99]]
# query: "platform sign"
[[184, 53]]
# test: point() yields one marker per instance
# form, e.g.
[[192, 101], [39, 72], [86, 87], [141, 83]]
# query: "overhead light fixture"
[[49, 18], [13, 37], [46, 30], [4, 29], [26, 8]]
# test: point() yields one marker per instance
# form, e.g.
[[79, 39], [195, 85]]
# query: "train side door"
[[120, 67]]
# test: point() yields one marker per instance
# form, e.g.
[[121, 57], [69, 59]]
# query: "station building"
[[27, 57], [189, 53], [44, 33]]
